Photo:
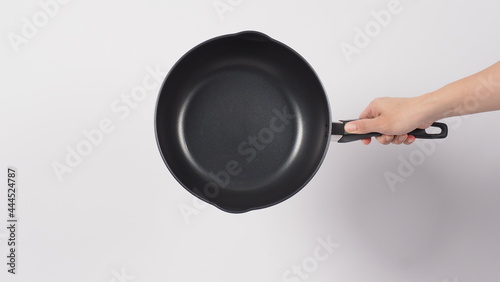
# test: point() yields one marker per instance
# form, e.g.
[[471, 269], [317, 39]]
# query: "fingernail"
[[388, 138], [350, 127], [401, 138]]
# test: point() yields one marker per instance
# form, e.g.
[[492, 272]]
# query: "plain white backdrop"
[[115, 213]]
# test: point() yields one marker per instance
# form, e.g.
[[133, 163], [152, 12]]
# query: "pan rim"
[[225, 208]]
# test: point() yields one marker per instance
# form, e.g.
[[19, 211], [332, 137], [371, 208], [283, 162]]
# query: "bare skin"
[[394, 117]]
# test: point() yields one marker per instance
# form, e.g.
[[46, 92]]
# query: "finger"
[[366, 141], [410, 140], [364, 126], [399, 139], [385, 139]]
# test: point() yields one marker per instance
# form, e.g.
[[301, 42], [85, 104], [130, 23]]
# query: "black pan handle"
[[338, 129]]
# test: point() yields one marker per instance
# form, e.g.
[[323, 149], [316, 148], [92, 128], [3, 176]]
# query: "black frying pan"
[[242, 122]]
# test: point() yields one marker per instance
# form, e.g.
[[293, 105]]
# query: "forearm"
[[479, 92]]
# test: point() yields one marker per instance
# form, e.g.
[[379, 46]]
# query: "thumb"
[[363, 126]]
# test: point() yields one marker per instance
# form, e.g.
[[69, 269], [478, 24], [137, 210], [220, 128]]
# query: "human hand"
[[394, 118]]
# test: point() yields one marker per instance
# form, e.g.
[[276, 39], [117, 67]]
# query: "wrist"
[[430, 108]]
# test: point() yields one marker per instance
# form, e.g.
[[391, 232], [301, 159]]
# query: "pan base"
[[240, 120]]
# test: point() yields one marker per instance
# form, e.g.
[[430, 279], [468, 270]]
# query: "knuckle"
[[361, 126]]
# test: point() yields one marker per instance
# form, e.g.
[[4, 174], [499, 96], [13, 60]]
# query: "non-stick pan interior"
[[242, 122]]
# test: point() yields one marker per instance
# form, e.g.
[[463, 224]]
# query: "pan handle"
[[338, 129]]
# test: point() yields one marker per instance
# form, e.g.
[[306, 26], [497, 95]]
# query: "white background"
[[117, 215]]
